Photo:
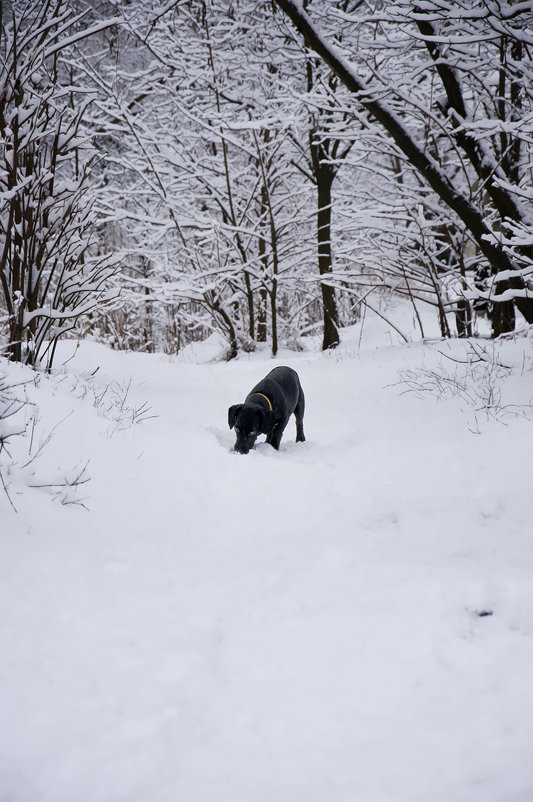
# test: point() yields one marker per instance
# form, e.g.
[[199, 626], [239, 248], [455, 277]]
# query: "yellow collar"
[[262, 396]]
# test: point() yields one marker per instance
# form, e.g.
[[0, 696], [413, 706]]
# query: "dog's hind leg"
[[300, 436], [299, 415]]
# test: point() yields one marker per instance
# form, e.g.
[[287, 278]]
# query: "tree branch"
[[421, 161]]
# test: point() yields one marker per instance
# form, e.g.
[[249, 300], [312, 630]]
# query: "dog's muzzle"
[[242, 448], [239, 449], [244, 444]]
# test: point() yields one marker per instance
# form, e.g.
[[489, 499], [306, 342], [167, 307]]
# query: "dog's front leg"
[[274, 438], [270, 437]]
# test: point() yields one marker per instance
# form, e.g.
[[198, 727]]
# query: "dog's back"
[[282, 386]]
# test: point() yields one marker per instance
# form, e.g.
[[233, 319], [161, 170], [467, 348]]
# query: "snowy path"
[[299, 626]]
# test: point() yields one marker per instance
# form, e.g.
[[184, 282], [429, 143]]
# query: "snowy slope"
[[276, 627]]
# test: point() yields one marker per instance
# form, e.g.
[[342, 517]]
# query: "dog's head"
[[249, 420]]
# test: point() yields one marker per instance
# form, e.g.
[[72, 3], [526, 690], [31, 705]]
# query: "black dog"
[[267, 410]]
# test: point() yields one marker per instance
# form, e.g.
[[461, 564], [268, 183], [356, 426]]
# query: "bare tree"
[[439, 28], [200, 182], [50, 272]]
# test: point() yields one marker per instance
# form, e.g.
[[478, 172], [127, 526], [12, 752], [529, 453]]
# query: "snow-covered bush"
[[26, 458], [12, 403], [478, 376]]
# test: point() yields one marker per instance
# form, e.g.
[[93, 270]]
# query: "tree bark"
[[325, 175], [263, 258]]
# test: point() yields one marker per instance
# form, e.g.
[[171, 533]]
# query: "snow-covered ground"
[[348, 619]]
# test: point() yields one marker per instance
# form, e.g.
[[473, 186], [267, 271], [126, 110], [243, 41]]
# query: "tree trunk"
[[263, 258], [262, 316], [324, 177], [463, 318], [503, 318], [274, 315]]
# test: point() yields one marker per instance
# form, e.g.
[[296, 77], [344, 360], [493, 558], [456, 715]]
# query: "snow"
[[350, 618]]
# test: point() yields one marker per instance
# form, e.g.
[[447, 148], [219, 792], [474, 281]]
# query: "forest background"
[[266, 170]]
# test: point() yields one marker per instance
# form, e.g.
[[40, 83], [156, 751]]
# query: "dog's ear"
[[232, 414], [267, 421]]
